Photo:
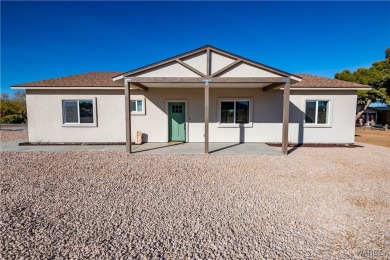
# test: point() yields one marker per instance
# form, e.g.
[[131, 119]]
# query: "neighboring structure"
[[205, 95], [377, 113]]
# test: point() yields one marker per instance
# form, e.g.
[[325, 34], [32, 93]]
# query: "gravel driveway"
[[314, 203]]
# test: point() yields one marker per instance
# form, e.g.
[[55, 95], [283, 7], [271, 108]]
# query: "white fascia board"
[[118, 78], [295, 78], [328, 88]]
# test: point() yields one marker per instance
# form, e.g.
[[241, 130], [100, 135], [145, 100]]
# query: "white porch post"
[[286, 114], [128, 116], [206, 115]]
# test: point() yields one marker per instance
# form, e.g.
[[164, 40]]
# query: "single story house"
[[377, 113], [204, 95]]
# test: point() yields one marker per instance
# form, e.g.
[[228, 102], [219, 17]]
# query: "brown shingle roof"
[[91, 79], [311, 81], [104, 79]]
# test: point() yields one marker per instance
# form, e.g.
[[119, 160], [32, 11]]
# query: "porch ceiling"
[[198, 82], [201, 85], [202, 79]]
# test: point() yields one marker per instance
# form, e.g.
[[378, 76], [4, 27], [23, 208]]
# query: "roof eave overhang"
[[64, 87], [295, 78], [331, 88], [119, 77]]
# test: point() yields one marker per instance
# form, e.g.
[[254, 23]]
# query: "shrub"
[[12, 119]]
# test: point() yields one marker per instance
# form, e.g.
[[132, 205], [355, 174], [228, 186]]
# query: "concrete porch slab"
[[150, 148], [198, 148]]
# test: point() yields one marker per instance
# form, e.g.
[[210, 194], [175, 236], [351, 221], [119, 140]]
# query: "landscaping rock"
[[314, 203]]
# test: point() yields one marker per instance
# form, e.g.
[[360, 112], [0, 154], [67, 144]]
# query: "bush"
[[13, 119], [13, 109]]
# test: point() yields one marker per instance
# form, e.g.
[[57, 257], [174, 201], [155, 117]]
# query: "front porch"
[[198, 148], [146, 148], [210, 70]]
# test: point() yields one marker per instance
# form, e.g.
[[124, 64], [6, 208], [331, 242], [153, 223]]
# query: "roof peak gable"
[[208, 50]]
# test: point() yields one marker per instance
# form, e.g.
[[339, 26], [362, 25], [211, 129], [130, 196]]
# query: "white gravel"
[[9, 135], [314, 203]]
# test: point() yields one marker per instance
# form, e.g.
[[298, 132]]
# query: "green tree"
[[13, 109], [376, 76]]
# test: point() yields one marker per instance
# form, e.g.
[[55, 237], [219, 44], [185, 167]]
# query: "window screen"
[[227, 112], [71, 114], [310, 112]]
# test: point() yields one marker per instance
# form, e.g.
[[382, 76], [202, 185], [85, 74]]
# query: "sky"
[[42, 40]]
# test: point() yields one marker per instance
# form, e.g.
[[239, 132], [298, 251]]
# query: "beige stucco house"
[[205, 95]]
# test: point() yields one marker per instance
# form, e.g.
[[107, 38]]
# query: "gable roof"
[[104, 79], [203, 50], [90, 79]]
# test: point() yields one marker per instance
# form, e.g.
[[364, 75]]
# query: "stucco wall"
[[267, 116], [154, 123], [45, 116], [44, 111], [343, 107]]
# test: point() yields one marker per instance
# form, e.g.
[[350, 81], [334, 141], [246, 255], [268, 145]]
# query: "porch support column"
[[286, 113], [206, 116], [128, 116]]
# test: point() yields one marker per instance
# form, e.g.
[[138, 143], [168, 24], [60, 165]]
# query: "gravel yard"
[[314, 203], [7, 135]]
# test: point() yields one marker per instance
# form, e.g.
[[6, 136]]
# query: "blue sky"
[[41, 40]]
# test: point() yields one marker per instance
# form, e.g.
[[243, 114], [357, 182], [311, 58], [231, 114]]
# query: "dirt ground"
[[370, 136]]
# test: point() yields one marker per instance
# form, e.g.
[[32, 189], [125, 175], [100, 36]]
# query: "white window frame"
[[78, 124], [235, 125], [143, 106], [328, 115]]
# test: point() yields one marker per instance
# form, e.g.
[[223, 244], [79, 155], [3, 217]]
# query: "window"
[[317, 112], [177, 109], [227, 112], [78, 112], [137, 107], [235, 112]]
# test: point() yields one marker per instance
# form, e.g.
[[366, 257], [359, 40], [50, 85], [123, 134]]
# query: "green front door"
[[177, 122]]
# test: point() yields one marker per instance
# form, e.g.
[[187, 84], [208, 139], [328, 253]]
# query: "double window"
[[78, 112], [235, 112], [137, 106], [317, 112]]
